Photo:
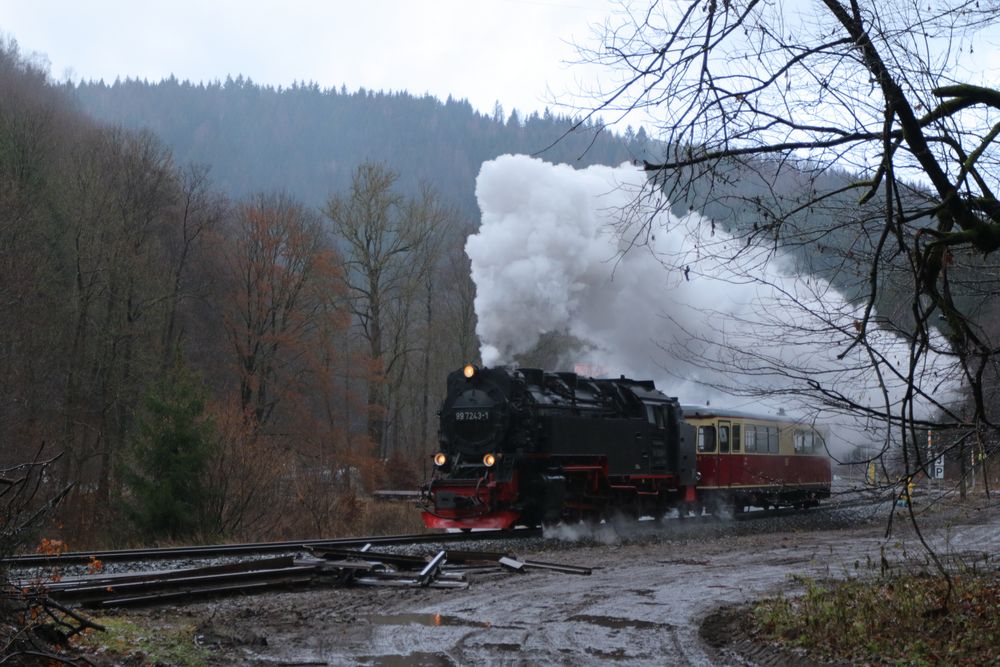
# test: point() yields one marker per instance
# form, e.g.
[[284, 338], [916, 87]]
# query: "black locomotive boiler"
[[524, 446]]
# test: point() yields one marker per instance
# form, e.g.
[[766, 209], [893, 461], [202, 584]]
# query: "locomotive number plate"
[[472, 415]]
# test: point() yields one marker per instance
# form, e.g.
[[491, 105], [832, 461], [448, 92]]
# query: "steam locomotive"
[[528, 447]]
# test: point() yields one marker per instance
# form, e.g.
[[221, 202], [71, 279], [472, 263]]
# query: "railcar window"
[[751, 438], [706, 439], [805, 442], [736, 437], [723, 439], [772, 439]]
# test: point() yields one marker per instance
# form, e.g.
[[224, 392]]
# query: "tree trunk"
[[961, 470], [425, 406]]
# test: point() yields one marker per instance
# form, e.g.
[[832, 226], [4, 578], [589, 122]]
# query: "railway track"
[[347, 561], [324, 566], [263, 548], [826, 506], [253, 548]]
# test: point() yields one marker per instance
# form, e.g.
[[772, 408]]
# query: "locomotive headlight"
[[489, 460], [440, 459], [469, 371]]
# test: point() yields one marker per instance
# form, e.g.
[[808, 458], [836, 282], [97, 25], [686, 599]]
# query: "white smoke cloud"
[[549, 258]]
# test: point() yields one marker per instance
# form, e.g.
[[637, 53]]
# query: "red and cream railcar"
[[747, 459]]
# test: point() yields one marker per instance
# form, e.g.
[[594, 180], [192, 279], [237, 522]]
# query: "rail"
[[326, 567], [208, 551]]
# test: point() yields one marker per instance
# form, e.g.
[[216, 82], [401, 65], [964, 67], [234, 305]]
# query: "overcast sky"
[[517, 52], [514, 51]]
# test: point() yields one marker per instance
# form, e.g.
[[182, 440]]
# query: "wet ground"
[[659, 598]]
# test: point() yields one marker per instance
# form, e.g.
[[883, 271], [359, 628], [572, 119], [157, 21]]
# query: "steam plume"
[[551, 257]]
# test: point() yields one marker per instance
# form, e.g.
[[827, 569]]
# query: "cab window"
[[655, 415], [723, 439], [706, 439], [736, 438]]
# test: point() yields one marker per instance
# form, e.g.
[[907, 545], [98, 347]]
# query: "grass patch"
[[158, 645], [892, 620]]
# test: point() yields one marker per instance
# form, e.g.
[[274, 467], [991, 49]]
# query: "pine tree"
[[166, 493]]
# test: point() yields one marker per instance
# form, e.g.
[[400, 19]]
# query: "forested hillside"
[[191, 316], [202, 362], [307, 140], [190, 311]]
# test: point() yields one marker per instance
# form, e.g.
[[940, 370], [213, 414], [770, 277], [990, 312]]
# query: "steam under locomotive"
[[525, 447]]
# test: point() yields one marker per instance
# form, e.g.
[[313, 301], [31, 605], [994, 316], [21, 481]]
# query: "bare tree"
[[450, 336], [859, 107], [854, 131], [390, 244], [276, 257], [198, 211], [117, 204], [25, 500], [34, 129], [459, 305]]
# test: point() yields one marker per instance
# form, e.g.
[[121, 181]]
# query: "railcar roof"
[[709, 411]]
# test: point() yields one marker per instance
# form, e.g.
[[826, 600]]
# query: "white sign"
[[939, 467]]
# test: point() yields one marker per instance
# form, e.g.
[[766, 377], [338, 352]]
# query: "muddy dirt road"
[[643, 604]]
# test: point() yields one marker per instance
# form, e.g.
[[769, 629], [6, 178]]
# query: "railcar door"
[[723, 461]]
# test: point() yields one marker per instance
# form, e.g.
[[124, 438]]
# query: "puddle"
[[616, 623], [616, 654], [431, 620], [684, 561], [512, 648], [646, 593]]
